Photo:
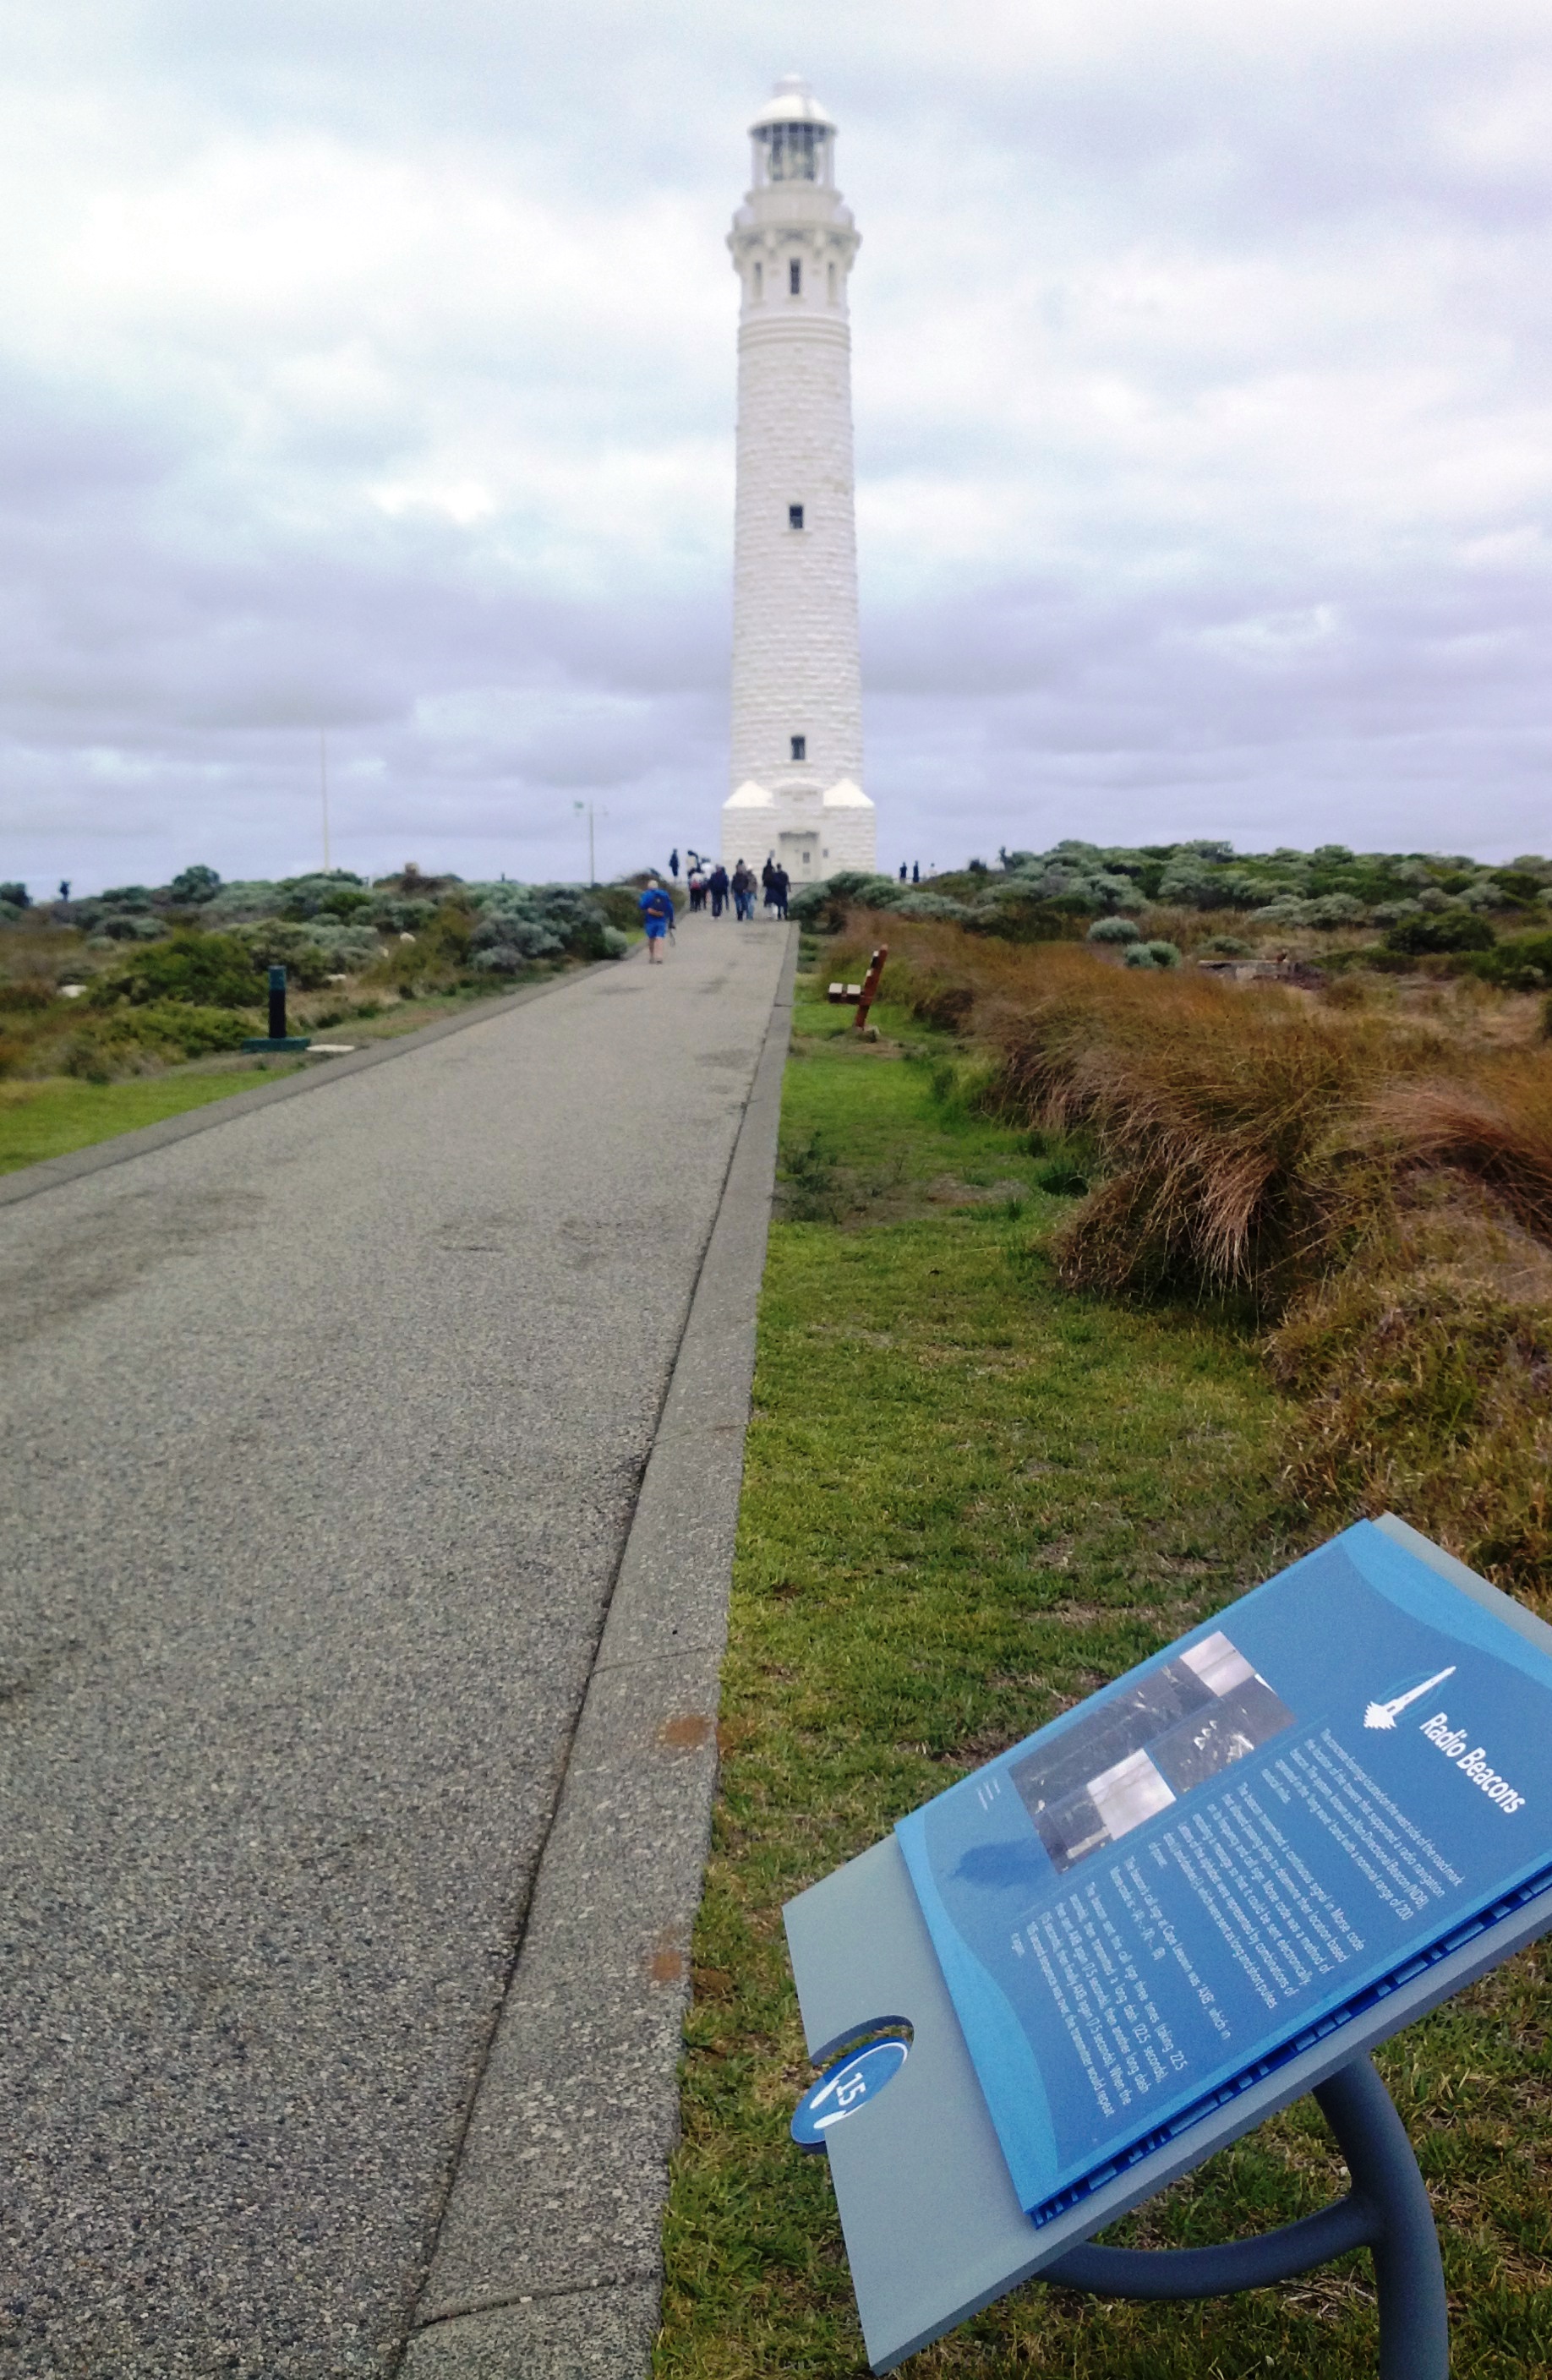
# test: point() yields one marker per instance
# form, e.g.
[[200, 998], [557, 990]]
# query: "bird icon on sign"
[[1387, 1714]]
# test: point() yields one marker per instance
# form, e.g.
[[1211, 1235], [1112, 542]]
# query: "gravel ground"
[[323, 1430]]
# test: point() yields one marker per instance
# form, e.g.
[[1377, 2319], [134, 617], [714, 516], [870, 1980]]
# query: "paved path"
[[324, 1429]]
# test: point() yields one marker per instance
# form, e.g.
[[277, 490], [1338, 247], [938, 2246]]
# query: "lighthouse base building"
[[796, 774], [810, 831]]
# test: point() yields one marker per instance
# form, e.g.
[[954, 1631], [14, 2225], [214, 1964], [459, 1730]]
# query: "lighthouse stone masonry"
[[796, 669]]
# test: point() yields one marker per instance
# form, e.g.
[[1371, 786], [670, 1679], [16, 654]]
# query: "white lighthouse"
[[797, 670]]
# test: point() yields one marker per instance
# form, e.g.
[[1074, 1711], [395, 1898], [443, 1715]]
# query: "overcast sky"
[[372, 368]]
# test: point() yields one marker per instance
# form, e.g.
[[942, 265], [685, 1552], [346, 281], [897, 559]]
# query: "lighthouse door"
[[799, 853]]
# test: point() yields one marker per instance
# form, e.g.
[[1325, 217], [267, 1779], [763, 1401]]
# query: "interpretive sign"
[[1144, 1907], [1178, 1906]]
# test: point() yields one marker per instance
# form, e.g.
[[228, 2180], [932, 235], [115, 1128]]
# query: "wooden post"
[[870, 984]]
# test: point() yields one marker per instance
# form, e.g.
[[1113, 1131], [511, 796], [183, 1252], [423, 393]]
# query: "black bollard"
[[277, 1037]]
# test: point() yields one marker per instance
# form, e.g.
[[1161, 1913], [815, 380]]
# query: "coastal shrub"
[[193, 886], [1520, 963], [392, 913], [1114, 929], [26, 997], [508, 945], [240, 903], [518, 923], [335, 894], [933, 905], [127, 1039], [1152, 954], [208, 970], [823, 906], [129, 926], [1450, 929], [310, 951]]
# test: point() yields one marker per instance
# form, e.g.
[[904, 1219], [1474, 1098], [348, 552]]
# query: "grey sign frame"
[[934, 2230]]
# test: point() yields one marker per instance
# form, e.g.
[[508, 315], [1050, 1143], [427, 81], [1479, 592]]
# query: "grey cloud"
[[1180, 217]]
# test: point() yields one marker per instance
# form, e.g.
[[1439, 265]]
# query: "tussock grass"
[[1496, 1127], [1376, 1190]]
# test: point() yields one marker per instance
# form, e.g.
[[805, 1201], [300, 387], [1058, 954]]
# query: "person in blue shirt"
[[657, 915]]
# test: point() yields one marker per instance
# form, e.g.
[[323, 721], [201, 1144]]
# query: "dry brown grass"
[[1377, 1187], [1496, 1127]]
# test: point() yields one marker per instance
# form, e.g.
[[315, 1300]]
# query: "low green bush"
[[128, 1038], [1520, 963], [1442, 930], [209, 970]]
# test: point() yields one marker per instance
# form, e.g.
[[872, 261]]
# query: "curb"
[[28, 1181], [548, 2262]]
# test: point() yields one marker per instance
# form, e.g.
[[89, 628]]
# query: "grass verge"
[[53, 1118], [972, 1496], [60, 1114]]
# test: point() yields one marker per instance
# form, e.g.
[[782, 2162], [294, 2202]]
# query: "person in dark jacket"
[[744, 892], [718, 887], [776, 891]]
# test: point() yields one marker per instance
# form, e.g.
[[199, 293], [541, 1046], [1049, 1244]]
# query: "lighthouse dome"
[[792, 102]]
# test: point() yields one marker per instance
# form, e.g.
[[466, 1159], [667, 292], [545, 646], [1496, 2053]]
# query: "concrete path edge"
[[29, 1180], [548, 2260]]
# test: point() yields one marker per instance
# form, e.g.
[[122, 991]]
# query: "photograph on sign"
[[1123, 1759]]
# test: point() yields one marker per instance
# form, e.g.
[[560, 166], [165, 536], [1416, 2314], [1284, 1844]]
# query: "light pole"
[[592, 868]]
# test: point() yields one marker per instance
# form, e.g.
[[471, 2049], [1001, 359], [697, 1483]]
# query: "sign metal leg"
[[1387, 2212]]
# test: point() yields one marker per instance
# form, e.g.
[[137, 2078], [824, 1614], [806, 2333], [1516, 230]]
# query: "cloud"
[[372, 369]]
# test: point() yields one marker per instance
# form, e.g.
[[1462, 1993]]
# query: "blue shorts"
[[656, 929]]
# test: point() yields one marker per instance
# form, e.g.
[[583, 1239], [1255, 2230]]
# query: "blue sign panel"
[[1246, 1842], [846, 2088]]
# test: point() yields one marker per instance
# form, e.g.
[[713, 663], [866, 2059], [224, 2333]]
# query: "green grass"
[[972, 1498], [50, 1118], [58, 1113]]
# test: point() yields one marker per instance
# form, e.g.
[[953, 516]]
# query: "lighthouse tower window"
[[759, 282], [794, 277], [795, 516], [800, 748]]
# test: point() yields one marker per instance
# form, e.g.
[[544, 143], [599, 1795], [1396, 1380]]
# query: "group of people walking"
[[716, 887]]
